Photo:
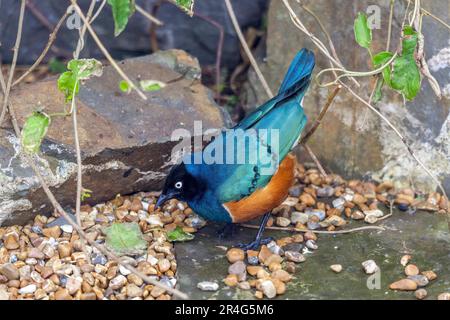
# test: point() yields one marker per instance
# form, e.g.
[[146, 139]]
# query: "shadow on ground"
[[423, 235]]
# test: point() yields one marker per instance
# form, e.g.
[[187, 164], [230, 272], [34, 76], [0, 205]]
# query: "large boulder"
[[125, 140], [194, 35], [352, 140]]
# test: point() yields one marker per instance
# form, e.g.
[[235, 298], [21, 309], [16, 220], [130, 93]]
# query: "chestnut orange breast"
[[265, 199]]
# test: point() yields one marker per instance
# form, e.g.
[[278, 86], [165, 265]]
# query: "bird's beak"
[[163, 198]]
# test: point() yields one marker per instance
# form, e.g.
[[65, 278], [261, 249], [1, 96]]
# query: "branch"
[[51, 40], [14, 62], [316, 231], [148, 15], [105, 51]]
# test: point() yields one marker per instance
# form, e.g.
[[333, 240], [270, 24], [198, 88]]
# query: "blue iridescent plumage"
[[232, 182]]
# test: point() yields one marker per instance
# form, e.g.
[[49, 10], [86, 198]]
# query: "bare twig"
[[51, 40], [391, 15], [148, 15], [219, 48], [14, 61], [322, 113], [247, 49], [317, 231], [316, 161], [105, 51]]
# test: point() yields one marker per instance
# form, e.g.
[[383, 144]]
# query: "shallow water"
[[425, 236]]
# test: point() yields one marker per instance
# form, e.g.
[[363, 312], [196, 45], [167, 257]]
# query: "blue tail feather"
[[301, 67]]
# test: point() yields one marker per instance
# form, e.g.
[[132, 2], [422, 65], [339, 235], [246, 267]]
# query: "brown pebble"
[[235, 254], [431, 275], [52, 232], [88, 296], [405, 260], [309, 235], [411, 270], [404, 285], [444, 296], [420, 294], [62, 294], [231, 280], [281, 275]]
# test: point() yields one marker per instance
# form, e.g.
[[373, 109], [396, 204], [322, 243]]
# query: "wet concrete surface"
[[423, 235]]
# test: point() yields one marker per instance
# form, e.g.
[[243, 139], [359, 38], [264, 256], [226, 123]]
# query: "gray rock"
[[311, 244], [325, 192], [318, 213], [294, 256], [125, 141], [370, 266], [423, 121], [421, 280]]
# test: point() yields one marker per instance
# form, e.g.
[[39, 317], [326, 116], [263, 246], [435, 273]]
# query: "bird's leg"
[[258, 240], [226, 231]]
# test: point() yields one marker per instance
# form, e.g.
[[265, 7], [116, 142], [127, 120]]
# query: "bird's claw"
[[226, 231], [254, 244]]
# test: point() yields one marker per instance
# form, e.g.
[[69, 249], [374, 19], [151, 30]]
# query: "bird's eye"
[[178, 184]]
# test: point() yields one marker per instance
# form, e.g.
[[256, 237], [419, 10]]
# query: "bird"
[[235, 191]]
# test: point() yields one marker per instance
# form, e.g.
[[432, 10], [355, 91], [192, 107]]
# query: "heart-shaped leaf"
[[363, 34], [34, 131]]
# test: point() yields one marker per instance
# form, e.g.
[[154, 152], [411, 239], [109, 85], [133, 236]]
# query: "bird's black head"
[[179, 185]]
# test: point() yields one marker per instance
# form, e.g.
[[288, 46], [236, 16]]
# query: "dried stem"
[[148, 15], [14, 62], [322, 113], [219, 48], [51, 40], [391, 15], [316, 161], [316, 231], [105, 51], [247, 49]]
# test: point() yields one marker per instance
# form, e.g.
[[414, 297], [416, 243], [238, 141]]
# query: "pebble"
[[325, 192], [405, 260], [157, 291], [370, 267], [244, 285], [124, 271], [421, 280], [62, 294], [310, 236], [231, 280], [9, 271], [73, 285], [88, 296], [282, 221], [431, 275], [11, 242], [281, 275], [35, 253], [52, 232], [294, 256], [67, 228], [208, 286], [420, 294], [376, 213], [268, 288], [320, 214], [336, 268], [235, 254], [163, 265], [338, 203], [134, 291], [404, 285], [371, 219], [444, 296], [118, 282], [411, 270], [274, 248], [311, 244], [239, 269], [31, 288], [357, 215], [299, 217], [64, 249], [99, 259]]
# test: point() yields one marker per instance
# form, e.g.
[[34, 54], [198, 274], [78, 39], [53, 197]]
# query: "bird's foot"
[[226, 231], [254, 244]]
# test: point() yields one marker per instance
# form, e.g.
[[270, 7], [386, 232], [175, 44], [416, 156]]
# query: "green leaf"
[[86, 193], [124, 86], [78, 69], [34, 131], [179, 235], [151, 85], [378, 94], [363, 34], [125, 239], [405, 74], [122, 10], [186, 5], [379, 60]]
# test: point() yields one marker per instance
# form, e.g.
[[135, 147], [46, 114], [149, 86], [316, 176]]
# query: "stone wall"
[[351, 140]]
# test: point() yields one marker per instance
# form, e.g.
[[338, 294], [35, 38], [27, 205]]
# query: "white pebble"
[[370, 266], [67, 228], [31, 288], [208, 286]]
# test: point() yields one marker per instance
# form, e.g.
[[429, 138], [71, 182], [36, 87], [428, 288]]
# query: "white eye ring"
[[178, 185]]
